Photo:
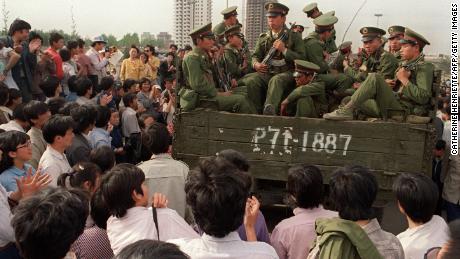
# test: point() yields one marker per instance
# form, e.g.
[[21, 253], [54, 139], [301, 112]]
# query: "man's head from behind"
[[217, 193], [146, 249], [123, 188], [417, 196], [305, 185], [353, 190], [47, 224]]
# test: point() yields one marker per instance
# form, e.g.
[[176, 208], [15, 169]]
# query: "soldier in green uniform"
[[273, 79], [375, 58], [230, 19], [376, 97], [298, 28], [396, 34], [313, 12], [315, 50], [344, 54], [235, 62], [309, 97], [200, 83]]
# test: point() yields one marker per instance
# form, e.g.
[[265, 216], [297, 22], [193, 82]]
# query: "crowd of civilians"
[[86, 172]]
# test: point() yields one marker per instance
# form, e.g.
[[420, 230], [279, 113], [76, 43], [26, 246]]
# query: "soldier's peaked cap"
[[204, 31], [276, 9], [310, 7], [305, 66], [230, 11], [331, 13], [233, 30], [395, 31], [370, 33], [325, 20], [412, 36]]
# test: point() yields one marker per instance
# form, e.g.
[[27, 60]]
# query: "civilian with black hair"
[[19, 121], [130, 128], [83, 61], [51, 87], [16, 151], [217, 192], [14, 99], [131, 66], [100, 135], [84, 175], [260, 226], [417, 198], [293, 237], [94, 242], [146, 249], [353, 190], [84, 121], [56, 104], [37, 114], [105, 97], [5, 112], [84, 91], [117, 136], [68, 107], [58, 132], [23, 71], [127, 198], [69, 68], [162, 173], [26, 187], [104, 157], [47, 224], [153, 62], [439, 168], [56, 42], [72, 84]]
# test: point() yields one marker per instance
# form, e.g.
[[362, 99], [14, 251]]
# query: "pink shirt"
[[293, 237]]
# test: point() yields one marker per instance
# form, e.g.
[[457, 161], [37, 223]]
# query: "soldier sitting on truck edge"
[[414, 78]]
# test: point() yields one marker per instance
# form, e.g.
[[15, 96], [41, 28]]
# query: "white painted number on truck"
[[268, 137]]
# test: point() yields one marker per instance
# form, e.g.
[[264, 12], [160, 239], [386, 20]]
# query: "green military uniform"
[[278, 81], [314, 49], [344, 51], [310, 99], [227, 13], [379, 62], [375, 98], [233, 57], [312, 12], [200, 83], [396, 31]]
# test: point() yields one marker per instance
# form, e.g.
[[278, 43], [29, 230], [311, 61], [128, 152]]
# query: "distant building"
[[255, 21], [190, 14], [147, 36], [166, 38]]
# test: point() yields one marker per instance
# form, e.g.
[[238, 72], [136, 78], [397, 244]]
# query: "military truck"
[[273, 144]]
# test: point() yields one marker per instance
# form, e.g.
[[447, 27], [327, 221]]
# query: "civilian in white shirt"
[[127, 198], [98, 60], [218, 195], [58, 132], [162, 173], [19, 121], [417, 197], [37, 113]]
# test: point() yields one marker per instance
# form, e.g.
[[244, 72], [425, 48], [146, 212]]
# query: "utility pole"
[[378, 15]]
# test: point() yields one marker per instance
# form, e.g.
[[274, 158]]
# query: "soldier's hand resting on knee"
[[261, 68]]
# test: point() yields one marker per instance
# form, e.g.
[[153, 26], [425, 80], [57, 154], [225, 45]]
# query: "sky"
[[93, 17]]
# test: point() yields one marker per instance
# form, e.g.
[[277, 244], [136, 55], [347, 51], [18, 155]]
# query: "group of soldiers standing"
[[290, 76]]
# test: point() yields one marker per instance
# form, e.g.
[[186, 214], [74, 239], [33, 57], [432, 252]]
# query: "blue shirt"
[[9, 176], [99, 137], [72, 97]]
